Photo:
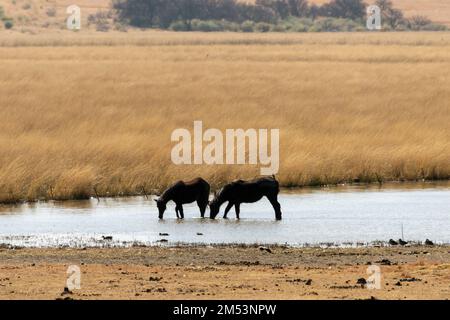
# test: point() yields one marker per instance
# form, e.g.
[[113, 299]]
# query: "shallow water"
[[334, 215]]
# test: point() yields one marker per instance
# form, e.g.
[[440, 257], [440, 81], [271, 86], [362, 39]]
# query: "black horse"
[[241, 191], [185, 192]]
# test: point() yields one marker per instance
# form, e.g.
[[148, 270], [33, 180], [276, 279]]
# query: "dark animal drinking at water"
[[182, 193], [241, 191]]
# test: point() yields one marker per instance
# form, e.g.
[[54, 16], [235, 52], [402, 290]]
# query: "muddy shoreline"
[[221, 272]]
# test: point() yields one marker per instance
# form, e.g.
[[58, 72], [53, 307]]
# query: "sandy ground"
[[226, 273]]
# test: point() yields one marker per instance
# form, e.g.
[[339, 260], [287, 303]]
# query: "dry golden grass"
[[86, 119], [166, 38]]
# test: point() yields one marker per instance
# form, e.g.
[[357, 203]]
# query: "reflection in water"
[[401, 186], [36, 206], [337, 215]]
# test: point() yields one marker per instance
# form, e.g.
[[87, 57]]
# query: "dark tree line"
[[161, 13], [350, 9]]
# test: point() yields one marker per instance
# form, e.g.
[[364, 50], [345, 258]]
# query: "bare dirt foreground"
[[417, 272]]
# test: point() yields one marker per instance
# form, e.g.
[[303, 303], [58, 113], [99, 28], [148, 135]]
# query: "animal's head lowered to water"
[[161, 207]]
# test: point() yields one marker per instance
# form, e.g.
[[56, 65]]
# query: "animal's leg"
[[179, 209], [227, 209], [176, 211], [237, 208], [276, 206], [202, 205]]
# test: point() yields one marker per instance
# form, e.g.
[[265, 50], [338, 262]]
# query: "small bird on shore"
[[428, 242], [265, 249], [402, 243], [392, 242]]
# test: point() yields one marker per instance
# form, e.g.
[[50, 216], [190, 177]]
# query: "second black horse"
[[241, 191], [185, 192]]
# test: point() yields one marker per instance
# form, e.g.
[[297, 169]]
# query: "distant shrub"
[[296, 24], [178, 26], [434, 27], [205, 26], [386, 27], [421, 23], [348, 25], [247, 26], [360, 29], [101, 20], [300, 28], [279, 28], [418, 22], [51, 12], [229, 26], [262, 27], [26, 6], [334, 25], [8, 24], [401, 27], [304, 21], [23, 19], [120, 27]]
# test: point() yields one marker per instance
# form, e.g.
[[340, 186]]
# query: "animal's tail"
[[275, 179]]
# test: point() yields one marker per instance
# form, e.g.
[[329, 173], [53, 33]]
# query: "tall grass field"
[[92, 115]]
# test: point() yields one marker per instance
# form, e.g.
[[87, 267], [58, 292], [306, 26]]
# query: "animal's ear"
[[156, 200]]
